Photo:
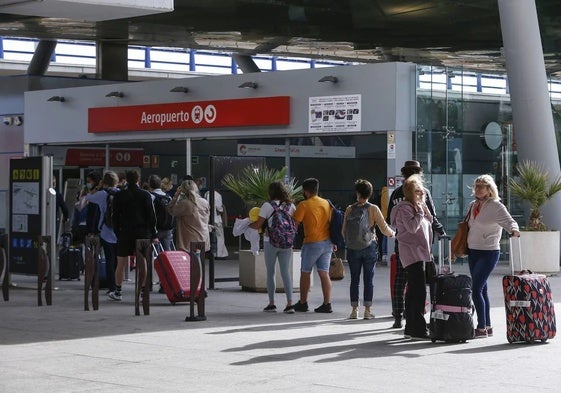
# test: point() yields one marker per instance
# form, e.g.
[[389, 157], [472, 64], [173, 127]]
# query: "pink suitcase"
[[530, 314], [174, 270]]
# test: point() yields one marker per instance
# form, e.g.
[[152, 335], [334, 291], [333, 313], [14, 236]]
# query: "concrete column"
[[112, 61], [41, 58], [403, 141], [246, 63], [531, 107]]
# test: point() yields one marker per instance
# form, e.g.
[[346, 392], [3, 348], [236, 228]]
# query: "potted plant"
[[540, 246], [252, 186]]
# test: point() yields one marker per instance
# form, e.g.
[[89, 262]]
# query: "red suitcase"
[[530, 314], [174, 271]]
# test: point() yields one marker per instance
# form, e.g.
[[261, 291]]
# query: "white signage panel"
[[335, 113], [296, 151]]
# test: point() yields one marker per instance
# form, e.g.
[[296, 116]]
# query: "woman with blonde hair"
[[487, 218], [413, 223], [192, 213]]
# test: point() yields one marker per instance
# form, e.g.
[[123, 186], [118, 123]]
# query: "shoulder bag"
[[459, 241]]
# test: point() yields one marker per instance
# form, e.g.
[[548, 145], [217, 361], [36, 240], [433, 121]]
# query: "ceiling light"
[[329, 78], [57, 99], [118, 94], [248, 85], [179, 89]]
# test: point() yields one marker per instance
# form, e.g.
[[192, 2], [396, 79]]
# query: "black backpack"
[[164, 220]]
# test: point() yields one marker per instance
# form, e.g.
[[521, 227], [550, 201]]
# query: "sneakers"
[[289, 309], [368, 314], [270, 308], [489, 331], [397, 324], [324, 308], [115, 296], [354, 313], [481, 333], [384, 259], [301, 307]]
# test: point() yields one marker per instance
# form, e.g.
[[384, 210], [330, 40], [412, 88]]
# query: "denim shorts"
[[318, 254]]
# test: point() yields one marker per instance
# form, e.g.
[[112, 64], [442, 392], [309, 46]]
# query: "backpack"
[[336, 227], [164, 220], [108, 216], [358, 232], [282, 229]]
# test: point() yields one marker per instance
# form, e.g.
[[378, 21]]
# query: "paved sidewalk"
[[62, 348]]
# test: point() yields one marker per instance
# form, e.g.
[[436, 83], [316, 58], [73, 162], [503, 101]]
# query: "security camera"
[[7, 120], [18, 120]]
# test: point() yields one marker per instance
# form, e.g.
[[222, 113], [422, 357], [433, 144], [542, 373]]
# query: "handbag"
[[459, 244], [336, 268]]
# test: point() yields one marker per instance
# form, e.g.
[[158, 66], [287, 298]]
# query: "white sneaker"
[[368, 314], [354, 313], [115, 296], [385, 258]]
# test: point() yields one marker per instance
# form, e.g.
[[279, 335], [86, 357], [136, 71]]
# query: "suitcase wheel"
[[509, 339], [544, 340], [433, 340]]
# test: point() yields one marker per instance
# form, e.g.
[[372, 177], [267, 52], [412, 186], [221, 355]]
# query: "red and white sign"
[[96, 157], [391, 182], [245, 112]]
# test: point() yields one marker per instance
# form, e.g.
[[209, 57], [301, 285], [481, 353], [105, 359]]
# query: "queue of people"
[[184, 216]]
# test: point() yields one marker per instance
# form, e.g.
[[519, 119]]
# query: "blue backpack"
[[336, 227], [282, 229]]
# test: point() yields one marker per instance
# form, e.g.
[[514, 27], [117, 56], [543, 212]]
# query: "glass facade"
[[464, 129]]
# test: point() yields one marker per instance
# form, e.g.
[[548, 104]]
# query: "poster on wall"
[[335, 113]]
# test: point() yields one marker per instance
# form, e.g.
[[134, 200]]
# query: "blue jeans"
[[109, 250], [285, 256], [481, 264], [318, 254], [364, 259]]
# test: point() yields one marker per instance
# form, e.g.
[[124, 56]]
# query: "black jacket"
[[133, 213]]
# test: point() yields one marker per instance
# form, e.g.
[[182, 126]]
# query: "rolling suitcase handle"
[[442, 255], [511, 254]]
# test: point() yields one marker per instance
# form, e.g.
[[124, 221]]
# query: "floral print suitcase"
[[530, 313]]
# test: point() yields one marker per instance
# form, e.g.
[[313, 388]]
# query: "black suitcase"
[[452, 307], [70, 263]]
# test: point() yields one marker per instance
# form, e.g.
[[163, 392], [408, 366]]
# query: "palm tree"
[[252, 184], [532, 185]]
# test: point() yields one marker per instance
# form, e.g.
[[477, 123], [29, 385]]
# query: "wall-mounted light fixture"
[[118, 94], [56, 99], [180, 89], [329, 78], [248, 85]]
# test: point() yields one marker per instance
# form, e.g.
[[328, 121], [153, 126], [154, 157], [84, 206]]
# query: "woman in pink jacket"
[[413, 223]]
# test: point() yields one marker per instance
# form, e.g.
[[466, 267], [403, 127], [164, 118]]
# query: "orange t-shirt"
[[314, 213]]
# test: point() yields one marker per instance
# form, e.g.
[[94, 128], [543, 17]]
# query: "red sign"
[[246, 112], [96, 157]]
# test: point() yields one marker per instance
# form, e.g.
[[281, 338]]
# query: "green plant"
[[252, 184], [533, 186]]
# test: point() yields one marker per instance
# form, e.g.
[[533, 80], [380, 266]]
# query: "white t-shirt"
[[266, 211]]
